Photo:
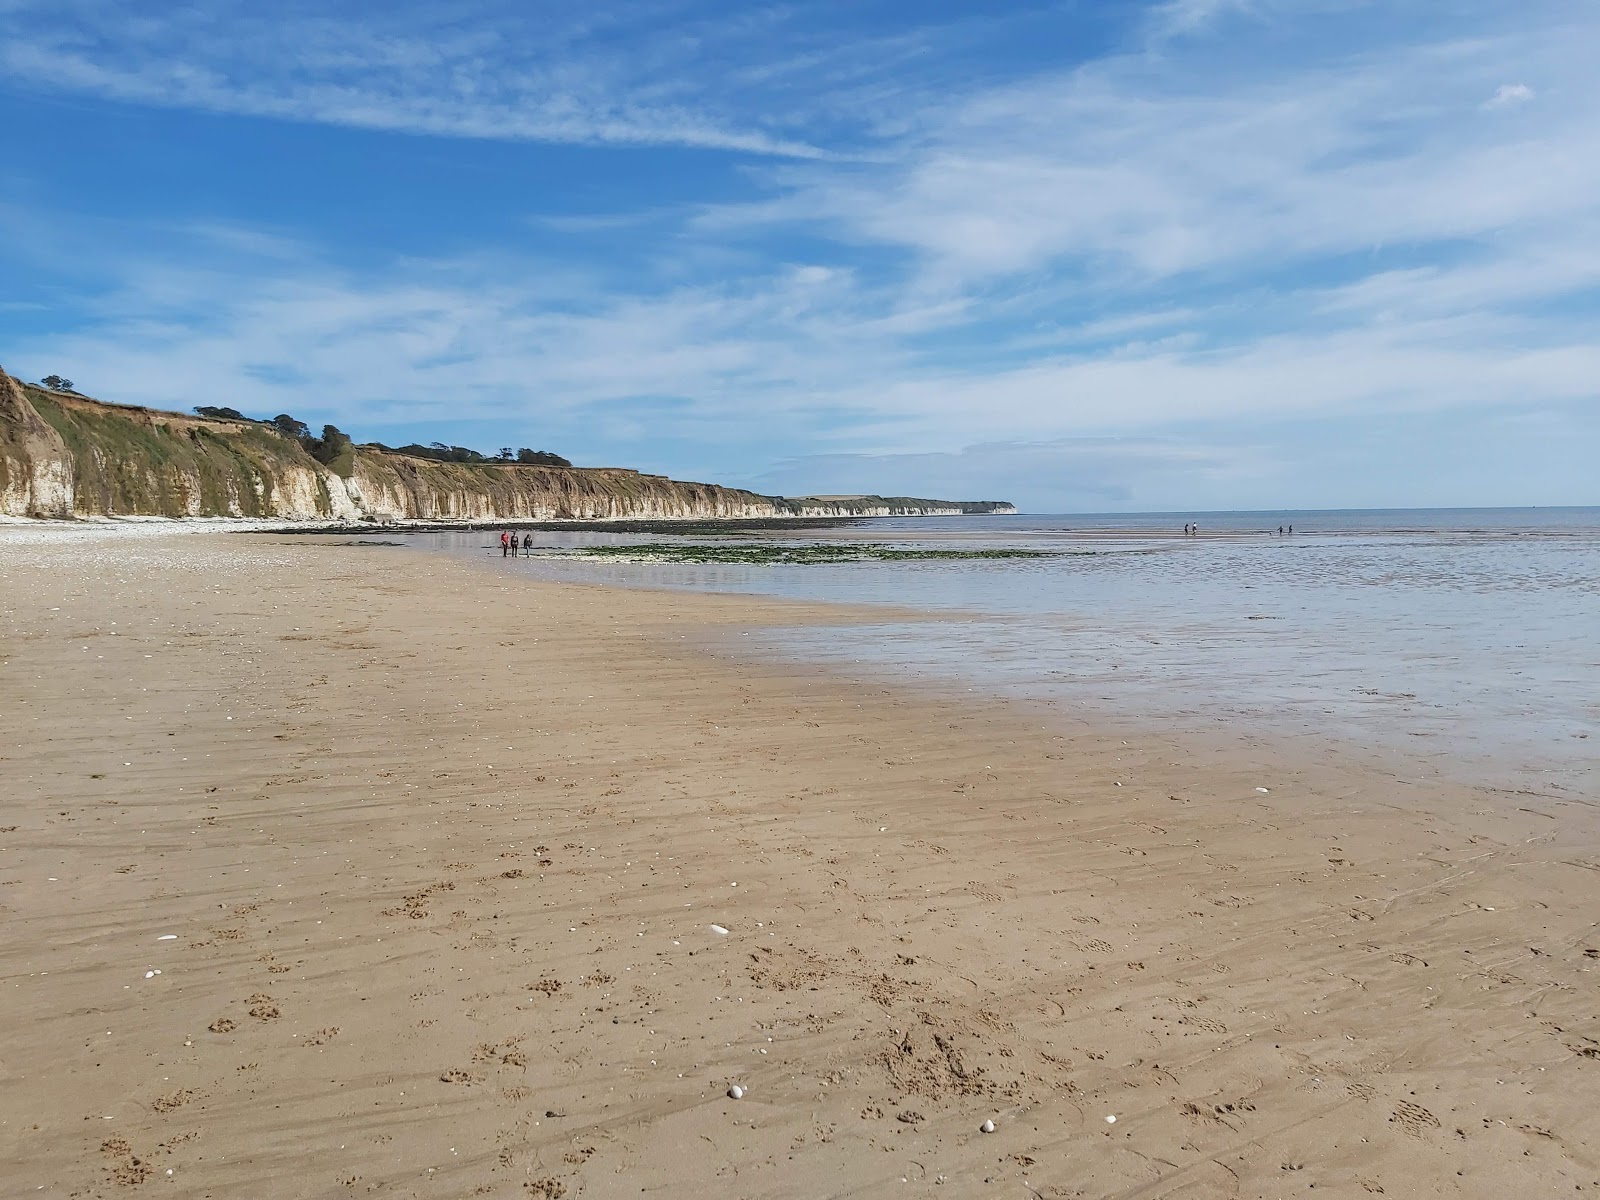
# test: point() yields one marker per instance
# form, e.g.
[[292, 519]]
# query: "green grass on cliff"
[[124, 463]]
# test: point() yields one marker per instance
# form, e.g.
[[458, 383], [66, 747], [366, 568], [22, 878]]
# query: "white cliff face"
[[44, 491], [35, 476], [68, 456], [390, 488]]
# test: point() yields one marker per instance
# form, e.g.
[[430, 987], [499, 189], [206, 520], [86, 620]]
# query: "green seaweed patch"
[[767, 555]]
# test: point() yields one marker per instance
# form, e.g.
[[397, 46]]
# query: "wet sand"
[[432, 861]]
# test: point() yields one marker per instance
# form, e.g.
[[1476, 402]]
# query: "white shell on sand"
[[167, 937], [1111, 1120], [718, 930], [987, 1127], [1263, 789], [736, 1092]]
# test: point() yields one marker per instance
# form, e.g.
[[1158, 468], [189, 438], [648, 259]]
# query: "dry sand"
[[438, 857]]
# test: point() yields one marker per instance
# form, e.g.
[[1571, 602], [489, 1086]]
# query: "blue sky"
[[1087, 256]]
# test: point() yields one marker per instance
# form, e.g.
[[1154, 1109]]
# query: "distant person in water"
[[1280, 530], [1291, 531]]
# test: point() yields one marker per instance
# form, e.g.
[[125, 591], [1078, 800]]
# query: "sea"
[[1464, 639]]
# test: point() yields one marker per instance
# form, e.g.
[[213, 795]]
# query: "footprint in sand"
[[174, 1100], [1414, 1119], [128, 1169]]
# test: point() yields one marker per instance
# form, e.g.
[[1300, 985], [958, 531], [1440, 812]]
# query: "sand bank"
[[333, 870]]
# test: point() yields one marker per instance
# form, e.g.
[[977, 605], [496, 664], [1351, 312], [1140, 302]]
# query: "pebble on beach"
[[736, 1092], [987, 1127]]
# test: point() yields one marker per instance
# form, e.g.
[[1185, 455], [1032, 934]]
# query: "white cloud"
[[1509, 94], [794, 357], [1177, 17]]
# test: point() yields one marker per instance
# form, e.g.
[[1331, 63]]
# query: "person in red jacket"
[[505, 543]]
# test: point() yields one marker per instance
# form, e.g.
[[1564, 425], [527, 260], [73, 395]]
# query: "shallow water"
[[1468, 637]]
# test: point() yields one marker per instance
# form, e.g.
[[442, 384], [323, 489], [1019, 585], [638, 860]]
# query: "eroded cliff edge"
[[66, 456]]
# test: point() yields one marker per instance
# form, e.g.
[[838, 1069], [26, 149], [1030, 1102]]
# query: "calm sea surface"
[[1470, 637]]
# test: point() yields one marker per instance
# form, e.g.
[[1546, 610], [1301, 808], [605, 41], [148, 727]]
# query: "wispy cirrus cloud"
[[771, 81], [543, 73], [1112, 171]]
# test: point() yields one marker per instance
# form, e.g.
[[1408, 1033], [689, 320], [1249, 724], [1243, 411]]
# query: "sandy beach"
[[330, 869]]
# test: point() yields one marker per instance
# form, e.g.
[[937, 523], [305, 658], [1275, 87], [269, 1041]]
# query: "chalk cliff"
[[69, 456]]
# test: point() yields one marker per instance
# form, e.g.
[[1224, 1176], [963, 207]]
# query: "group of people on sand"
[[1194, 531], [508, 544]]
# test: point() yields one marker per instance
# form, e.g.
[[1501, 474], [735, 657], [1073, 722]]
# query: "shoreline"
[[1514, 761], [440, 854]]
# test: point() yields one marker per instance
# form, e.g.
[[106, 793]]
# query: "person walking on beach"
[[505, 543], [527, 545]]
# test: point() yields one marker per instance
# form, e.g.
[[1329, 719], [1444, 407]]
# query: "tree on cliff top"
[[57, 384], [290, 428], [441, 452], [541, 458], [334, 449], [333, 442]]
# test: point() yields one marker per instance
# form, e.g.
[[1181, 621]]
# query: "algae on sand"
[[770, 554]]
